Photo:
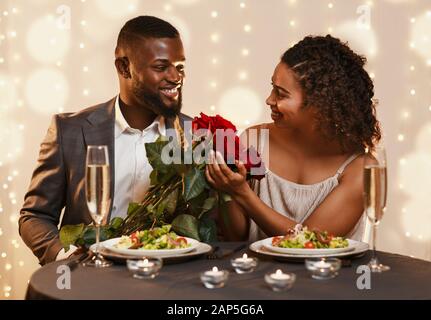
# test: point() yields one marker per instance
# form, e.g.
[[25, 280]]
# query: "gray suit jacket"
[[59, 179]]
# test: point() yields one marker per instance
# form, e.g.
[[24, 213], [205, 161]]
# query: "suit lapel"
[[99, 130]]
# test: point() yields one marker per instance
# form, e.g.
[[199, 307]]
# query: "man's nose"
[[174, 75]]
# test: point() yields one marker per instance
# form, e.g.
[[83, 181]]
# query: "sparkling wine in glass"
[[97, 189], [375, 189]]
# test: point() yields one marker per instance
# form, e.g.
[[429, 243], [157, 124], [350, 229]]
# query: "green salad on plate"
[[301, 237], [153, 239]]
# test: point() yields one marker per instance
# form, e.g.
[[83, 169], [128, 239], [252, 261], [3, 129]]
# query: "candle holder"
[[214, 278], [323, 268], [145, 268], [280, 281], [244, 264]]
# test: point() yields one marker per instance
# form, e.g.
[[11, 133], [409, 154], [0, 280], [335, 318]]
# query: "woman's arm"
[[338, 213], [343, 207], [236, 226], [245, 203]]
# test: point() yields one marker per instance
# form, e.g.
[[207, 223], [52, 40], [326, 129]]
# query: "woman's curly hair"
[[335, 83]]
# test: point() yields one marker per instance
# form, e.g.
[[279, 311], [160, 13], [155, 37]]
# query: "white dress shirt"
[[132, 169]]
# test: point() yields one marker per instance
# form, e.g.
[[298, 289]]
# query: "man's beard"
[[156, 104]]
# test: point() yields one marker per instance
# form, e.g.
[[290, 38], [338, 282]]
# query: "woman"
[[323, 119]]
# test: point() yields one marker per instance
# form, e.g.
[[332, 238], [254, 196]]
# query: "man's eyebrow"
[[167, 61]]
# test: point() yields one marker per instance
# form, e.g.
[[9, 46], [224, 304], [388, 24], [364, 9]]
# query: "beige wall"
[[232, 48]]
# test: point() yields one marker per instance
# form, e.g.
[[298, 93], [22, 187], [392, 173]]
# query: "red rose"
[[211, 123], [251, 159], [229, 147], [202, 122], [231, 151], [222, 123]]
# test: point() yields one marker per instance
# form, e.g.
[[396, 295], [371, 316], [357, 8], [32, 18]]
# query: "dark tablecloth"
[[408, 278]]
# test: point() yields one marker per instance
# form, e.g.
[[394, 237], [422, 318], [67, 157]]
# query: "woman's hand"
[[222, 178]]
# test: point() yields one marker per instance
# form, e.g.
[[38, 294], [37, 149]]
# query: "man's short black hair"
[[144, 27]]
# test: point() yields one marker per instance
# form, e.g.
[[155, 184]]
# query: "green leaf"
[[171, 201], [133, 206], [194, 184], [181, 168], [196, 204], [154, 151], [116, 223], [163, 176], [89, 235], [209, 204], [154, 177], [69, 234], [207, 230], [160, 209], [186, 225]]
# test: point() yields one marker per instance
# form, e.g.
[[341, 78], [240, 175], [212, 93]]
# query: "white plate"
[[110, 245], [358, 249], [201, 249], [267, 243]]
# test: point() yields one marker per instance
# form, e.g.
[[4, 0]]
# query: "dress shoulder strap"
[[346, 163], [261, 139]]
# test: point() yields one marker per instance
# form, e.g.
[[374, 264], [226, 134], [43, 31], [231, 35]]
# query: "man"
[[149, 59]]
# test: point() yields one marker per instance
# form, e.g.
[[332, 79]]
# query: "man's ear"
[[122, 65]]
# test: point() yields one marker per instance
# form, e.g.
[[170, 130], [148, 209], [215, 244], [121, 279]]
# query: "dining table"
[[409, 278]]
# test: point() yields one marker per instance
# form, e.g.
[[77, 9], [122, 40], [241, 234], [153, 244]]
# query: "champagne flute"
[[375, 189], [97, 190]]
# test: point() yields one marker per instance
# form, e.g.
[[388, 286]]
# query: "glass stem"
[[374, 257], [97, 241]]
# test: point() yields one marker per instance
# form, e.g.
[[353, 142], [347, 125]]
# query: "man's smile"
[[171, 92]]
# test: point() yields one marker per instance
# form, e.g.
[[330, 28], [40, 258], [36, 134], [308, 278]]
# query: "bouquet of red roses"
[[179, 193]]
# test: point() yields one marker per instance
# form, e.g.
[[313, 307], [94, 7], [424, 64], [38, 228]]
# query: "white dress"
[[298, 201]]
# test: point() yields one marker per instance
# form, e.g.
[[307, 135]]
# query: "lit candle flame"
[[215, 269]]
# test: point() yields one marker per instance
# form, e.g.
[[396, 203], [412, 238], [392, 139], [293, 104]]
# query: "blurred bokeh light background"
[[57, 56]]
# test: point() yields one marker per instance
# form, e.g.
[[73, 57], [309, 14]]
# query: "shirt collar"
[[121, 125]]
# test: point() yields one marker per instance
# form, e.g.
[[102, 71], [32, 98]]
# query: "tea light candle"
[[322, 264], [147, 268], [215, 273], [214, 278], [245, 259], [324, 268], [144, 264], [279, 275], [244, 264], [279, 281]]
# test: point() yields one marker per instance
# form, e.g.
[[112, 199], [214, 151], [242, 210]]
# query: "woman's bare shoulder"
[[353, 173], [258, 127]]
